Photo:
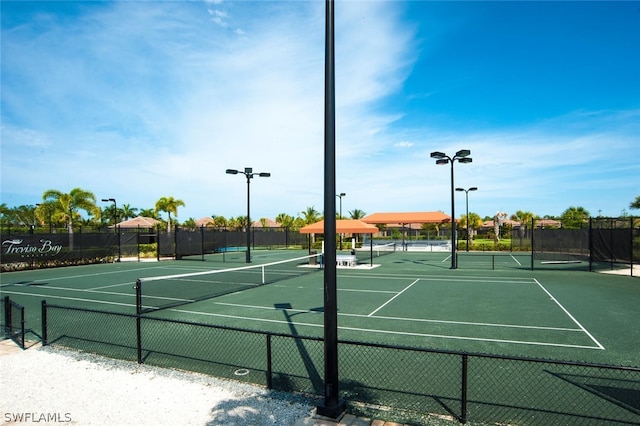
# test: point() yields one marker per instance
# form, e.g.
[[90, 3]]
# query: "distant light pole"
[[115, 211], [340, 195], [248, 172], [115, 224], [466, 191], [461, 156], [33, 227]]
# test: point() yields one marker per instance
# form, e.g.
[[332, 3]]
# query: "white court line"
[[479, 324], [515, 260], [390, 300], [96, 274], [569, 315], [367, 330], [77, 299], [91, 290]]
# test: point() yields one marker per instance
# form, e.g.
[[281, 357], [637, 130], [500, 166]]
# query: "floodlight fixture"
[[462, 156], [249, 174]]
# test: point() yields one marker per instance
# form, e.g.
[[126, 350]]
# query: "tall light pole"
[[115, 224], [115, 211], [461, 156], [473, 188], [340, 195], [248, 172]]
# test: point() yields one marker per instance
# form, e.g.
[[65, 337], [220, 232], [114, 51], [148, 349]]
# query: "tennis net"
[[368, 252], [168, 291]]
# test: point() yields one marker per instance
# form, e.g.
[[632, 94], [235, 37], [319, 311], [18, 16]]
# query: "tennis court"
[[409, 328], [495, 306]]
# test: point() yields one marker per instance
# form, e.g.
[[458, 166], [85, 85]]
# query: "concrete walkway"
[[345, 420]]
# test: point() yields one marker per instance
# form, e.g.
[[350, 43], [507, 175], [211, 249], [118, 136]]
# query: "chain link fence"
[[13, 321], [404, 384]]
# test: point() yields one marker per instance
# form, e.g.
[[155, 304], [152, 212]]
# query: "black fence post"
[[44, 323], [202, 241], [7, 317], [631, 245], [269, 363], [138, 288], [463, 396], [533, 223], [22, 339]]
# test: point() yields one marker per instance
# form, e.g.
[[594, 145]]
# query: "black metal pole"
[[454, 263], [463, 396], [43, 318], [248, 220], [331, 407], [138, 288], [466, 193]]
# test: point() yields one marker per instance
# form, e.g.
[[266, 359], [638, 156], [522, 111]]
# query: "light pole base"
[[331, 410]]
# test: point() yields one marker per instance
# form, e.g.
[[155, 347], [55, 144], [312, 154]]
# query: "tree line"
[[80, 207], [59, 209]]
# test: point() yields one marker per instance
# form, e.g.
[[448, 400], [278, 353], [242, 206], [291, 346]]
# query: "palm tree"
[[636, 203], [310, 216], [67, 205], [284, 220], [525, 219], [357, 214], [574, 217], [148, 213], [471, 223], [168, 205], [127, 212], [220, 222]]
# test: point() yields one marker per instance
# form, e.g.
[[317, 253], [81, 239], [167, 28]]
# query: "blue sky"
[[139, 100]]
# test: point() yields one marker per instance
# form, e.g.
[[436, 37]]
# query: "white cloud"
[[141, 102]]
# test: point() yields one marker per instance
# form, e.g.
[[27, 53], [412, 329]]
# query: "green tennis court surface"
[[491, 304]]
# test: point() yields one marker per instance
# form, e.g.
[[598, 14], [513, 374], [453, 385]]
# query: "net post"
[[371, 249]]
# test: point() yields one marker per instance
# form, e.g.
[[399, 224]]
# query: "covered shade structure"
[[138, 222], [343, 226], [407, 217]]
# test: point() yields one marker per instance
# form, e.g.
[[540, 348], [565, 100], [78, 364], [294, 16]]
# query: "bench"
[[346, 260]]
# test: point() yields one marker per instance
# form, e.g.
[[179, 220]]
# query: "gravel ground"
[[46, 386]]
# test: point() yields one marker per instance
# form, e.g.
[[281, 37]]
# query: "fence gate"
[[14, 321]]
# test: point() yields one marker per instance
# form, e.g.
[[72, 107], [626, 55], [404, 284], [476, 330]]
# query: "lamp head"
[[460, 189], [248, 170], [442, 161], [232, 172], [473, 188], [465, 160], [438, 154], [264, 174], [463, 153]]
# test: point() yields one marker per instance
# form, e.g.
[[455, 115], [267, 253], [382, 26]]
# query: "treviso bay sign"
[[22, 248]]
